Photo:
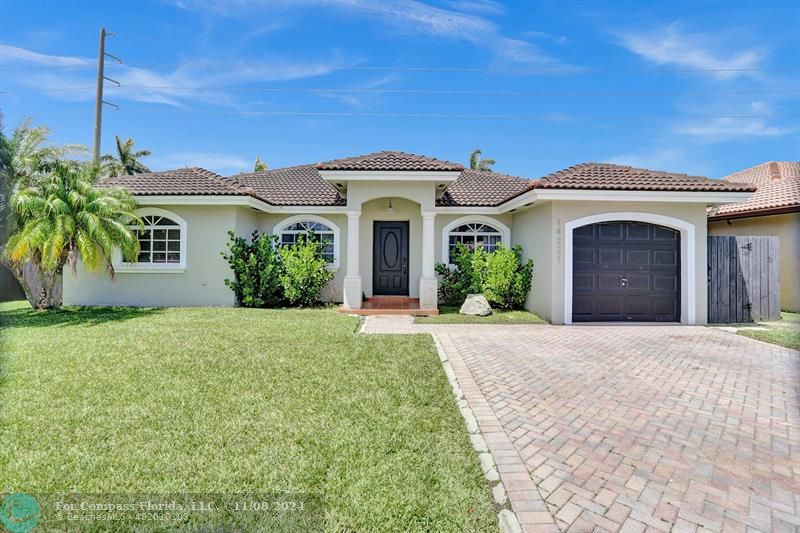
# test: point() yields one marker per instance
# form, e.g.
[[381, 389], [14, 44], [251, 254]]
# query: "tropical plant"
[[257, 270], [501, 276], [23, 156], [305, 271], [260, 166], [64, 218], [476, 162], [126, 161]]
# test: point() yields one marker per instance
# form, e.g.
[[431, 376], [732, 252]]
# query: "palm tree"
[[65, 218], [476, 162], [126, 161], [23, 156], [260, 166]]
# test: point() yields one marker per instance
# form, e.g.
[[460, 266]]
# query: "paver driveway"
[[626, 428]]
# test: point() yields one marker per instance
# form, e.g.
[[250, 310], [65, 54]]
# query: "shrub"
[[305, 271], [257, 270], [501, 276]]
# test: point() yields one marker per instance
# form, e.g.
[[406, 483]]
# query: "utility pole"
[[98, 104]]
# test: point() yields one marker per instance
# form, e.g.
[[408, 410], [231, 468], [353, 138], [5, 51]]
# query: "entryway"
[[390, 258]]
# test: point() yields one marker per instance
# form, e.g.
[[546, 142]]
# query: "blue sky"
[[704, 87]]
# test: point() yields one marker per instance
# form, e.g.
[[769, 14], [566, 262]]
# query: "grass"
[[450, 315], [237, 401], [784, 333]]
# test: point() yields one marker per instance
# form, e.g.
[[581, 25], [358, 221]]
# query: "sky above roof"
[[705, 88]]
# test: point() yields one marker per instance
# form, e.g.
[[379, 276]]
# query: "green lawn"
[[784, 333], [450, 315], [237, 400]]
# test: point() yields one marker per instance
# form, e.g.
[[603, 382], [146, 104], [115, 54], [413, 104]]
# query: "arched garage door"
[[625, 271]]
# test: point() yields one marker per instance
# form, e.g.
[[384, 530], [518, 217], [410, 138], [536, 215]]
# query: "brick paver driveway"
[[630, 427], [625, 428]]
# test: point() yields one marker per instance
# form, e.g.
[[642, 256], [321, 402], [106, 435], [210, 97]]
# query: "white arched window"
[[323, 230], [162, 242], [474, 232]]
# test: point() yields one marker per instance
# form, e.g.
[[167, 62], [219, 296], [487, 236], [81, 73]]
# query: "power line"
[[448, 92]]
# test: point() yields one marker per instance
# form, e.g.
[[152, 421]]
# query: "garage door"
[[625, 271]]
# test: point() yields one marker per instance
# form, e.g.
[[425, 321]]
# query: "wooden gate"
[[743, 279]]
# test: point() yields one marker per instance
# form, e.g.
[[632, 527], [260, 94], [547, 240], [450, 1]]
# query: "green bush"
[[501, 276], [257, 269], [305, 271]]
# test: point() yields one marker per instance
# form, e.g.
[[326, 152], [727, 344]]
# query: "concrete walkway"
[[632, 428]]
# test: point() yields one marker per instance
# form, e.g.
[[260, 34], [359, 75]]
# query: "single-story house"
[[773, 210], [609, 242]]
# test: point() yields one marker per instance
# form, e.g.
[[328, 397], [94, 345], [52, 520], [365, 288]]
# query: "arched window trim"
[[283, 224], [503, 230], [179, 267]]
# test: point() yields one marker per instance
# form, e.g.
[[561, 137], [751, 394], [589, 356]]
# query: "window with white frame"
[[474, 235], [160, 241], [319, 231]]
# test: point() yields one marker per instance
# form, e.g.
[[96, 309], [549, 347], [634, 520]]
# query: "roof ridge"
[[228, 181]]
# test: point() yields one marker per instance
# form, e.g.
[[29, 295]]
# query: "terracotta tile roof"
[[300, 185], [479, 188], [607, 176], [389, 160], [182, 181], [778, 185]]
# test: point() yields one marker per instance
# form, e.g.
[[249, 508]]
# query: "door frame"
[[375, 256], [688, 268]]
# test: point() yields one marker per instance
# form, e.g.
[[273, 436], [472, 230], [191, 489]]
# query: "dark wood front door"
[[390, 258], [625, 271]]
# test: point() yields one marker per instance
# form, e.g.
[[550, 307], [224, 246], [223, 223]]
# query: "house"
[[773, 210], [609, 242]]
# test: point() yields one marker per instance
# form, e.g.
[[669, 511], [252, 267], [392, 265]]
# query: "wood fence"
[[743, 279]]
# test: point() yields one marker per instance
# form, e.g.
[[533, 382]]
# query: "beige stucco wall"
[[201, 284], [787, 228], [535, 230]]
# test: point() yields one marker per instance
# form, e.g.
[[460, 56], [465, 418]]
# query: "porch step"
[[390, 305]]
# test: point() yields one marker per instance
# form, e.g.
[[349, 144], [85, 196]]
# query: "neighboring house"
[[773, 210], [608, 242]]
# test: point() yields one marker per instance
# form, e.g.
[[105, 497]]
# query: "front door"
[[390, 259]]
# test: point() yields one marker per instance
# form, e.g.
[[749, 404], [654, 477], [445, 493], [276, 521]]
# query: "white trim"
[[279, 227], [468, 210], [642, 196], [505, 232], [688, 266], [123, 267], [300, 209], [244, 201], [395, 175]]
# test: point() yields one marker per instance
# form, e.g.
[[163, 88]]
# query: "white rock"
[[499, 494], [492, 475], [478, 444], [487, 463], [477, 305], [508, 522]]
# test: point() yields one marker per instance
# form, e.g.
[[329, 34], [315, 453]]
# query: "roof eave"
[[754, 213]]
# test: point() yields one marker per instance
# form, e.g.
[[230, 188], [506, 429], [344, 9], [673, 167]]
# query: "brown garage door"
[[625, 271]]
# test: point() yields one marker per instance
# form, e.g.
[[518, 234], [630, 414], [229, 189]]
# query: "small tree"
[[260, 166], [64, 219], [305, 271], [476, 162], [257, 270], [126, 161]]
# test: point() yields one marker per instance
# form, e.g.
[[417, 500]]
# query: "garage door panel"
[[626, 271]]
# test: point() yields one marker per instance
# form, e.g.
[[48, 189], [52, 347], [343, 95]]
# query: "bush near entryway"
[[501, 276], [269, 275]]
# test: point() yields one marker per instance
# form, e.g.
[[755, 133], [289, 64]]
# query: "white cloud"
[[669, 45], [409, 16], [756, 123], [488, 7], [191, 81], [223, 164]]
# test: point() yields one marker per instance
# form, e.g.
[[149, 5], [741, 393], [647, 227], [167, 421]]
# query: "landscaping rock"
[[499, 494], [508, 522], [476, 305]]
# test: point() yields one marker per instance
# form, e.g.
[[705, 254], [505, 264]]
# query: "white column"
[[352, 279], [428, 285]]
